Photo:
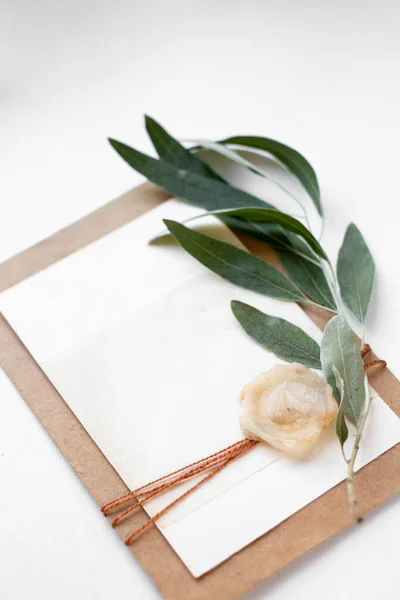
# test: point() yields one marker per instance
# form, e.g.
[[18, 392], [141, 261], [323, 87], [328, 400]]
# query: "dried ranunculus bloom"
[[287, 407]]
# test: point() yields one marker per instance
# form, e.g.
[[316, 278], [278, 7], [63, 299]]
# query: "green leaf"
[[196, 189], [235, 265], [268, 215], [309, 277], [284, 339], [234, 156], [341, 428], [293, 161], [201, 191], [301, 247], [275, 238], [339, 349], [173, 152], [355, 272], [224, 150]]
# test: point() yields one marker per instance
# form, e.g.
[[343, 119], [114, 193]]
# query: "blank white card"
[[141, 343]]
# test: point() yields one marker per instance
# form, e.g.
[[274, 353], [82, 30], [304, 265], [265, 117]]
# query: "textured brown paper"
[[375, 483]]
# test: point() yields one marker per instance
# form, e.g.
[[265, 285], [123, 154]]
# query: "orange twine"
[[372, 363], [213, 464]]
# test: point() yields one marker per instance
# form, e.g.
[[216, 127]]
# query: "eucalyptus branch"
[[310, 276]]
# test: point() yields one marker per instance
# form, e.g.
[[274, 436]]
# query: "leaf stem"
[[290, 248], [332, 281], [321, 233], [302, 255], [363, 337], [253, 168], [309, 301], [351, 461], [286, 191]]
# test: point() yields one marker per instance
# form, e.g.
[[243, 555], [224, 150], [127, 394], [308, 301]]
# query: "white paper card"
[[141, 343]]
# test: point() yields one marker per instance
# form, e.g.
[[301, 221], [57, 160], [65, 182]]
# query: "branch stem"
[[351, 461], [309, 301]]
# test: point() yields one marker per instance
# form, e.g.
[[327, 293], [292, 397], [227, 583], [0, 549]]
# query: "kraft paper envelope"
[[256, 561]]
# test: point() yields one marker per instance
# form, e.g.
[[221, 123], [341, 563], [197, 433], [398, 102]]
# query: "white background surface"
[[320, 76]]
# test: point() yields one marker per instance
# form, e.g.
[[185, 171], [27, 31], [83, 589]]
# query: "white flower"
[[287, 407]]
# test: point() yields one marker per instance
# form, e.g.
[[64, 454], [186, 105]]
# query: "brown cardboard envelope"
[[375, 483]]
